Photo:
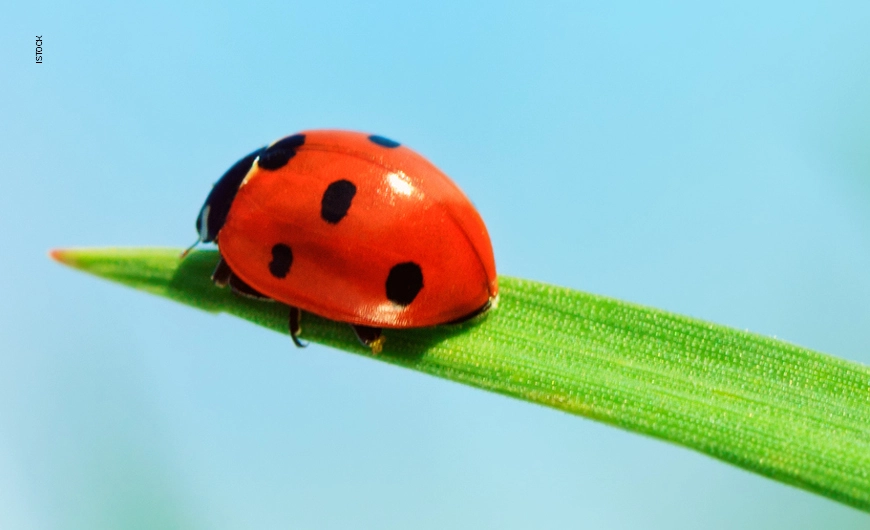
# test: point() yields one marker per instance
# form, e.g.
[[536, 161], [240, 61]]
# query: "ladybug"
[[352, 227]]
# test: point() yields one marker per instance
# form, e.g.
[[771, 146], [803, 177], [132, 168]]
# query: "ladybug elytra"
[[352, 227]]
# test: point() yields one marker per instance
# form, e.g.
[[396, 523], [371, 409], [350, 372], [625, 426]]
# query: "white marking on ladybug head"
[[203, 222], [250, 174]]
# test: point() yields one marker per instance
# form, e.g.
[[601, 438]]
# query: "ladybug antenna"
[[187, 251]]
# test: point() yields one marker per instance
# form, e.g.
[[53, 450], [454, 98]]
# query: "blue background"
[[711, 160]]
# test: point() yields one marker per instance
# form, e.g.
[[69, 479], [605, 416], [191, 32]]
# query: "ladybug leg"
[[370, 337], [241, 288], [295, 327], [222, 274]]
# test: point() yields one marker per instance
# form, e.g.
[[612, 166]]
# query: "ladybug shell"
[[358, 229]]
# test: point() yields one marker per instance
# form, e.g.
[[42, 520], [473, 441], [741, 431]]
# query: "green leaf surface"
[[791, 414]]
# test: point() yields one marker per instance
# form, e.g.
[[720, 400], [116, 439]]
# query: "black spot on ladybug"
[[336, 200], [277, 155], [384, 142], [404, 282], [282, 259]]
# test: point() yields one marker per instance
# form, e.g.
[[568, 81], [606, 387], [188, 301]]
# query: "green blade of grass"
[[791, 414]]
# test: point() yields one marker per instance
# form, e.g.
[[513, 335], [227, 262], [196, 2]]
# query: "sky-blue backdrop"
[[712, 159]]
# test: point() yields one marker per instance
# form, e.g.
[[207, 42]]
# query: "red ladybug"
[[351, 227]]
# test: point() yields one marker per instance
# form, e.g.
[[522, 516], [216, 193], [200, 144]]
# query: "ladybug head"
[[214, 212]]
